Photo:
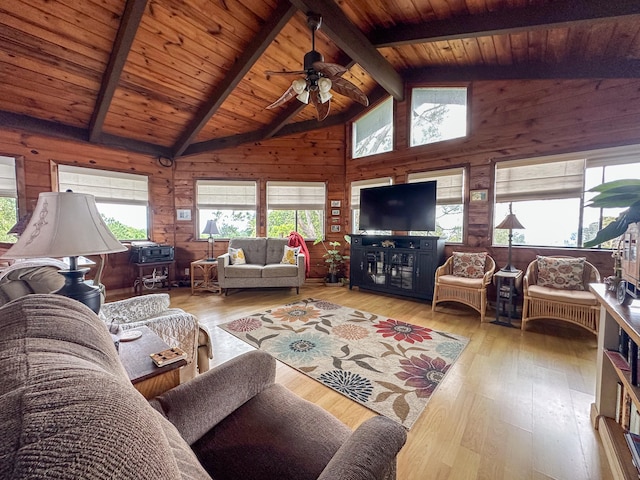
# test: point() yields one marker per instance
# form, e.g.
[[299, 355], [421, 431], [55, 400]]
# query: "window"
[[449, 202], [296, 206], [373, 132], [355, 199], [8, 198], [231, 203], [438, 114], [122, 198], [549, 195]]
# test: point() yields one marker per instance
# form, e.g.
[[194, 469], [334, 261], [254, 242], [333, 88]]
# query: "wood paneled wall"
[[39, 153], [316, 156], [509, 119]]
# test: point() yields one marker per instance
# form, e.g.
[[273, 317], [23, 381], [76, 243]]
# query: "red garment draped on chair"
[[296, 240]]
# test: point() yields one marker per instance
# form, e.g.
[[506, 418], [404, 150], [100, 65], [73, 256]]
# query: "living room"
[[508, 119]]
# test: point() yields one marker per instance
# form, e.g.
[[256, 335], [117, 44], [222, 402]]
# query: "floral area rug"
[[387, 365]]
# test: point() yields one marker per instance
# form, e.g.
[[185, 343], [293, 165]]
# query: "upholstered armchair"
[[464, 278], [69, 411], [558, 288], [175, 326]]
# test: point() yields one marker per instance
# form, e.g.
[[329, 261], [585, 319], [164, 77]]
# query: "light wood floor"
[[514, 406]]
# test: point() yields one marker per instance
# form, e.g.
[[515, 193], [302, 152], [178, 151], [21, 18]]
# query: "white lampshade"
[[65, 224]]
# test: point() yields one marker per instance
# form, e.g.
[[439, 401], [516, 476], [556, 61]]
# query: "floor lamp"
[[211, 229], [510, 223], [67, 224]]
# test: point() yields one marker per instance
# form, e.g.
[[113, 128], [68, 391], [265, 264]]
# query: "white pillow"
[[237, 256], [290, 255]]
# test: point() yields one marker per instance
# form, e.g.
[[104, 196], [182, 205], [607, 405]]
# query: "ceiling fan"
[[319, 79]]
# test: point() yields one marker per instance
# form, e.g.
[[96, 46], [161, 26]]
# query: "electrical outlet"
[[186, 272]]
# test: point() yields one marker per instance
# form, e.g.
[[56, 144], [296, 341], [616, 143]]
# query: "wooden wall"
[[509, 119], [316, 156], [39, 153], [516, 119]]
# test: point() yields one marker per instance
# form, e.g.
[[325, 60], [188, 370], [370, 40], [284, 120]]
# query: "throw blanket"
[[296, 240]]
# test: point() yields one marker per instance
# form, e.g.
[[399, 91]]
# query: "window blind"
[[106, 186], [360, 184], [8, 184], [449, 190], [226, 194], [539, 179], [296, 195]]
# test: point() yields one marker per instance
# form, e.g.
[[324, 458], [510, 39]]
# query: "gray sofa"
[[68, 411], [263, 268]]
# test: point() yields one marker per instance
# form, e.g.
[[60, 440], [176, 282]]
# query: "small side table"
[[507, 285], [148, 379], [153, 266], [209, 271]]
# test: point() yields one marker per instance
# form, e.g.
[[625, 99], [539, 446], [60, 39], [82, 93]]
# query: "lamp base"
[[509, 268], [75, 287]]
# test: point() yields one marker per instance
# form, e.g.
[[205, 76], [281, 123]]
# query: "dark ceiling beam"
[[47, 128], [260, 42], [354, 43], [293, 109], [600, 69], [517, 20], [129, 24]]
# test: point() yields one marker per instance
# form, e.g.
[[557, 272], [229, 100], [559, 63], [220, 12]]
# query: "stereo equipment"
[[150, 252]]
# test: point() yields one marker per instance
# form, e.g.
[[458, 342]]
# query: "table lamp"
[[67, 224], [212, 229], [510, 223]]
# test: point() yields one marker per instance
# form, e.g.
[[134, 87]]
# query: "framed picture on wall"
[[335, 203], [335, 212], [479, 195], [335, 228], [335, 220], [183, 214]]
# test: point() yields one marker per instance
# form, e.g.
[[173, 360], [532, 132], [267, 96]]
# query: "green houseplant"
[[334, 259], [616, 194]]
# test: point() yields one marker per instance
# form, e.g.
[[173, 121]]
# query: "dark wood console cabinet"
[[408, 268]]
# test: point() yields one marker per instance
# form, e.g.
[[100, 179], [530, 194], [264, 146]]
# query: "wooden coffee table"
[[148, 379]]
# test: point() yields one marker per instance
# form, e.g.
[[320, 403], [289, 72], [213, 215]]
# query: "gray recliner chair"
[[70, 411]]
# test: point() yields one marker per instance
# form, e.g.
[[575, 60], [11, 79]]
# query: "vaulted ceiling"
[[177, 77]]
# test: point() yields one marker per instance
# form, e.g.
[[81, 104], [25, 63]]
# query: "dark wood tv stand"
[[408, 268]]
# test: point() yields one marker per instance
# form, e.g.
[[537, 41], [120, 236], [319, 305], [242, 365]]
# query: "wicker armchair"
[[579, 307], [469, 291]]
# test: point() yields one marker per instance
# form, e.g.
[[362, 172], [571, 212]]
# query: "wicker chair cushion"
[[461, 281], [574, 297], [469, 265], [563, 273]]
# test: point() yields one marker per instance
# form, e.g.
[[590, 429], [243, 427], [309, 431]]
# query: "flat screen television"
[[404, 207]]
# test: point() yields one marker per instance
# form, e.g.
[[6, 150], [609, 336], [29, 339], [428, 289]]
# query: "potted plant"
[[616, 194], [620, 193], [335, 261]]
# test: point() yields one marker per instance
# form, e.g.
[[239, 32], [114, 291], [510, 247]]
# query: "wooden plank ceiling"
[[177, 77]]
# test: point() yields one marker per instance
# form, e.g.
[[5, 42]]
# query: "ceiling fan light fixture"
[[303, 97], [299, 85]]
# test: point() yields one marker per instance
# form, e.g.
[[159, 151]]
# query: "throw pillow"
[[564, 273], [237, 256], [290, 255], [469, 265]]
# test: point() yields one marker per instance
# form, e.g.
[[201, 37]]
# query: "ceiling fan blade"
[[329, 69], [322, 109], [284, 72], [348, 89], [286, 96]]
